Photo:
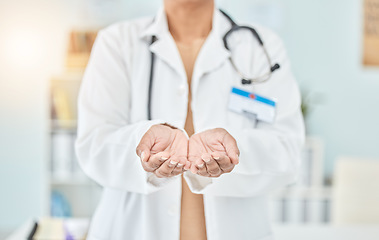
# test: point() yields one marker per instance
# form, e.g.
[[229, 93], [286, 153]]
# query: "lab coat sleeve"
[[270, 153], [106, 142]]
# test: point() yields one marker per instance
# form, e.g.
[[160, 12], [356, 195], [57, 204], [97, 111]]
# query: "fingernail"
[[173, 162], [143, 156], [216, 158], [206, 159], [200, 165], [180, 164], [164, 158]]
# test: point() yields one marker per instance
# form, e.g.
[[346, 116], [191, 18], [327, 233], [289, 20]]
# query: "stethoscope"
[[244, 78]]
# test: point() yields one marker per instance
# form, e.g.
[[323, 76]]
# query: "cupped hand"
[[163, 151], [212, 152]]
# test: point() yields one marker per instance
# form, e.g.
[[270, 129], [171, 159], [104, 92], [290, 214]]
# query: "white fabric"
[[112, 120]]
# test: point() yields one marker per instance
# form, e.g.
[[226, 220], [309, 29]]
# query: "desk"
[[326, 232], [54, 229], [22, 232], [285, 232]]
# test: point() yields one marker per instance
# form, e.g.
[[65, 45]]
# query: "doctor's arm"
[[269, 154], [106, 142]]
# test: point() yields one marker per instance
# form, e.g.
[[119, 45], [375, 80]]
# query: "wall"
[[23, 111], [324, 39], [324, 43], [33, 39]]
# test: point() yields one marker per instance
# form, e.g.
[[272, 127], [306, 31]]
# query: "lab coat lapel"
[[213, 53], [164, 47]]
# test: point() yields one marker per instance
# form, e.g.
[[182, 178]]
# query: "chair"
[[356, 191]]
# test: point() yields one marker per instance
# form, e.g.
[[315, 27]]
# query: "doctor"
[[238, 141]]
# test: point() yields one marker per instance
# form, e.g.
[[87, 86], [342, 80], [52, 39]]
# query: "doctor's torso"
[[113, 107], [212, 77]]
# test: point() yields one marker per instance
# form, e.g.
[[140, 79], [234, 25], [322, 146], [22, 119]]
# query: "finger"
[[178, 158], [231, 148], [193, 168], [180, 150], [202, 170], [157, 160], [165, 170], [187, 166], [196, 163], [223, 161], [192, 163], [211, 165], [143, 148], [144, 154], [180, 166]]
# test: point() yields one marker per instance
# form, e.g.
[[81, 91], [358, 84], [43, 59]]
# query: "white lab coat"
[[112, 119]]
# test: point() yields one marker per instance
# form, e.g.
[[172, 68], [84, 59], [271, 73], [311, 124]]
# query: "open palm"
[[212, 152], [163, 150]]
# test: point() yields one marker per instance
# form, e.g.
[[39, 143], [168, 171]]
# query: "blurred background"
[[334, 50]]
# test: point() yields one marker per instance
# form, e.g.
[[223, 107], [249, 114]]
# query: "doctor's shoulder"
[[124, 34], [267, 34], [271, 40]]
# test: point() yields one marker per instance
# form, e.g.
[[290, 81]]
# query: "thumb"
[[143, 148], [231, 148], [143, 152]]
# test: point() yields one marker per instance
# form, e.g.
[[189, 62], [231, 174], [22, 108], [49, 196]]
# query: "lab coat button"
[[182, 90], [173, 210]]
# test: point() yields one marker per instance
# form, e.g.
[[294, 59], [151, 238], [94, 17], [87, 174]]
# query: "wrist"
[[168, 125], [174, 128]]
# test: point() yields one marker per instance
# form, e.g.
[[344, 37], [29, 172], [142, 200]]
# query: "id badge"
[[252, 105]]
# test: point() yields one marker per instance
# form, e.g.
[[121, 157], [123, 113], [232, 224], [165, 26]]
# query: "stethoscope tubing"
[[153, 39], [244, 79]]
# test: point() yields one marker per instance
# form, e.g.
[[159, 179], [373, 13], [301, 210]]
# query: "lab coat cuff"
[[145, 125], [154, 182], [197, 183]]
